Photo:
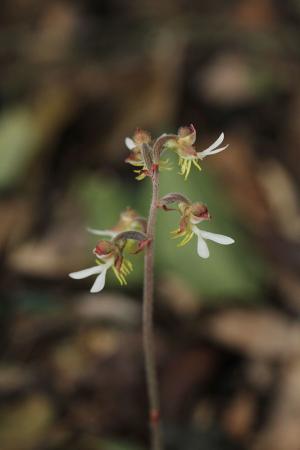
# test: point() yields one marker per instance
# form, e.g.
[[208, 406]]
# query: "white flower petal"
[[86, 272], [219, 238], [209, 150], [217, 150], [217, 142], [102, 232], [99, 282], [129, 143], [202, 248]]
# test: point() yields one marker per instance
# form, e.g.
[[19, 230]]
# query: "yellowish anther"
[[186, 239], [118, 276], [188, 168], [125, 270], [178, 234], [183, 166], [196, 164], [138, 164], [128, 264], [141, 175]]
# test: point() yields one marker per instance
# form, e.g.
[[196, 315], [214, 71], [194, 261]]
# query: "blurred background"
[[76, 78]]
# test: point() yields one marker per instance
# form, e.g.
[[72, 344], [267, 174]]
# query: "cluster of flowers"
[[129, 236], [181, 143]]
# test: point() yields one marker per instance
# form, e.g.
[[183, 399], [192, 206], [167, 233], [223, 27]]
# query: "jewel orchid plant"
[[133, 234]]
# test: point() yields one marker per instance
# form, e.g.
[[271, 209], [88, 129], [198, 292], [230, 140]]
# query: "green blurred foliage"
[[30, 419], [20, 140], [117, 445]]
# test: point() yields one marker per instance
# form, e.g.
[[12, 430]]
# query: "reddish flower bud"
[[187, 135], [200, 211], [141, 137]]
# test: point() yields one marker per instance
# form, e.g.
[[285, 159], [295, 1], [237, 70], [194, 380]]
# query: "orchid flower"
[[183, 145], [202, 249], [191, 215], [110, 254], [140, 154], [137, 157]]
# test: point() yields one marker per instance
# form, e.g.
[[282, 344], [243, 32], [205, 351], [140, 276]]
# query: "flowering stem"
[[148, 342]]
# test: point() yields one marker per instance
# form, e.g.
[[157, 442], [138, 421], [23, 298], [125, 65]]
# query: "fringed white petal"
[[129, 143], [102, 232], [99, 282], [86, 272], [202, 248], [219, 238]]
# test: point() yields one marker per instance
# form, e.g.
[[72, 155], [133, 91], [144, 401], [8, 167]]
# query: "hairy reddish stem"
[[148, 341]]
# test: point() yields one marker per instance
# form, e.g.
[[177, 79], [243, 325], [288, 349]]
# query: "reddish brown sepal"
[[200, 210], [103, 248], [141, 136], [146, 172], [182, 224], [165, 208], [118, 263], [142, 245]]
